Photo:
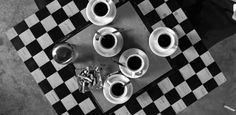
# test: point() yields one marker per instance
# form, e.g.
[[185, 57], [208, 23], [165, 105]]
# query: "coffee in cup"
[[134, 63], [117, 89], [100, 9], [164, 40], [108, 41]]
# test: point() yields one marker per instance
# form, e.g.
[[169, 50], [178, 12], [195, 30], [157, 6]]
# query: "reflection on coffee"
[[108, 41], [134, 63], [63, 54], [164, 40], [117, 89], [100, 9]]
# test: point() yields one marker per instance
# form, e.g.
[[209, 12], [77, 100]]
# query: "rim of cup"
[[140, 68], [114, 96], [115, 38], [99, 1]]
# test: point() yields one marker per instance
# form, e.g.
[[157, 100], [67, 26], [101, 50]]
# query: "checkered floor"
[[197, 73]]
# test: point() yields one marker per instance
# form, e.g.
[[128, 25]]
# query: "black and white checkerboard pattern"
[[197, 72]]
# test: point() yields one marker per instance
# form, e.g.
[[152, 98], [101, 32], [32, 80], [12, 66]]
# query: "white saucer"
[[128, 89], [112, 51], [154, 46], [123, 59], [101, 21]]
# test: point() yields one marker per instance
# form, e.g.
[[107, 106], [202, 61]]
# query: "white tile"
[[162, 103], [87, 106], [83, 12], [24, 54], [41, 58], [187, 71], [220, 78], [144, 99], [52, 97], [179, 31], [190, 54], [207, 58], [53, 6], [27, 37], [158, 24], [45, 41], [204, 75], [49, 23], [145, 7], [200, 92], [180, 15], [11, 33], [57, 65], [159, 114], [67, 27], [122, 111], [165, 85], [72, 84], [193, 37], [55, 80], [163, 11], [66, 113], [32, 20], [141, 112], [69, 102], [38, 75], [179, 106], [177, 52], [183, 89], [71, 9]]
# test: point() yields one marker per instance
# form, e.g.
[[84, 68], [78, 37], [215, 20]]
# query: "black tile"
[[66, 73], [31, 64], [214, 69], [176, 78], [48, 51], [59, 16], [187, 26], [200, 48], [63, 2], [154, 92], [79, 97], [156, 3], [38, 30], [34, 47], [152, 18], [62, 91], [197, 64], [173, 5], [133, 106], [179, 61], [96, 111], [45, 86], [151, 109], [194, 82], [42, 13], [56, 34], [78, 21], [21, 27], [59, 107], [189, 99], [81, 4], [168, 111], [210, 85], [172, 96], [48, 69], [76, 111], [136, 2], [184, 43], [48, 1], [17, 43], [170, 21]]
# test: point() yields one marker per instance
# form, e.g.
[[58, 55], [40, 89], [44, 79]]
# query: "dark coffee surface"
[[108, 41], [100, 9], [63, 54], [117, 89], [134, 63], [164, 40]]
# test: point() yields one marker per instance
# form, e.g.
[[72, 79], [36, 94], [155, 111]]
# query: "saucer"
[[154, 46], [101, 21], [108, 52], [124, 57], [117, 78]]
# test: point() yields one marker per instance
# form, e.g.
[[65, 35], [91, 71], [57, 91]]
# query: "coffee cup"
[[135, 64], [163, 41]]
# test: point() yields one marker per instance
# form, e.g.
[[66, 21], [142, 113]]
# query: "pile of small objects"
[[89, 78]]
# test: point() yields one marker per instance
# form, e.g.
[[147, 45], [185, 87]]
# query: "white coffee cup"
[[135, 64], [163, 41]]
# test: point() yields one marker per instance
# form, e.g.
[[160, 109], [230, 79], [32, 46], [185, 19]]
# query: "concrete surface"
[[19, 93]]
